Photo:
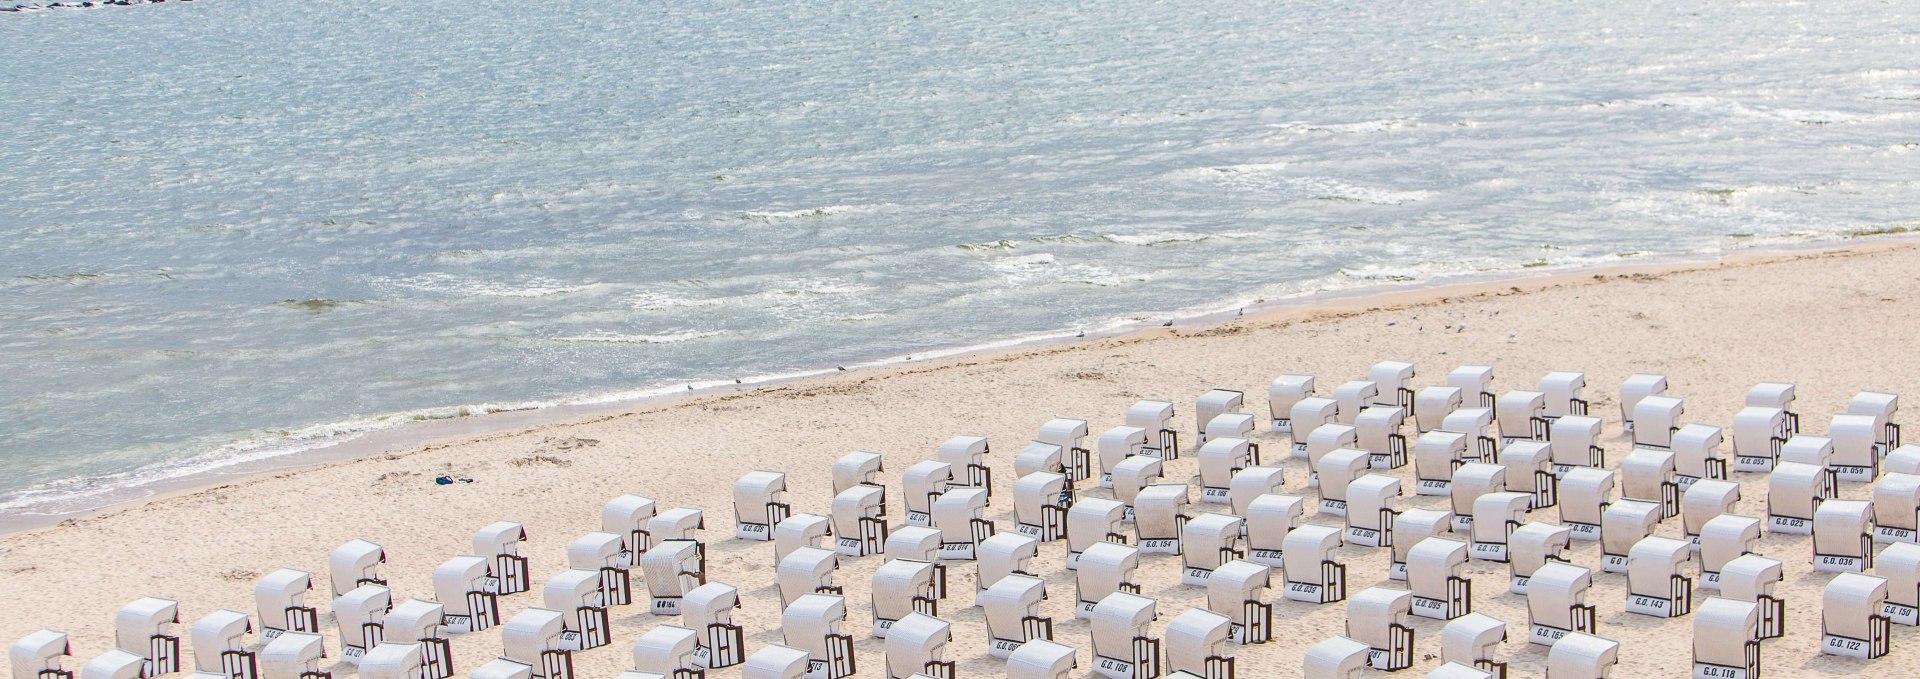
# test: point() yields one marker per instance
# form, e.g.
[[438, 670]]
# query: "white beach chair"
[[1657, 584], [1336, 658], [1530, 470], [1473, 423], [1116, 444], [807, 570], [1312, 574], [860, 520], [1432, 405], [1395, 382], [1562, 390], [759, 503], [220, 650], [1582, 656], [1196, 644], [1436, 572], [1042, 659], [1159, 511], [1881, 407], [418, 621], [1220, 458], [1896, 508], [671, 569], [813, 623], [1040, 502], [1776, 395], [1378, 432], [1282, 394], [1622, 525], [1585, 493], [1899, 564], [667, 651], [968, 455], [1851, 620], [1903, 460], [1474, 640], [1752, 578], [1639, 386], [1322, 442], [1251, 483], [628, 515], [913, 543], [1522, 416], [354, 564], [1070, 434], [774, 661], [1338, 470], [1353, 396], [1378, 617], [1237, 425], [1237, 590], [361, 616], [1269, 519], [1576, 443], [800, 530], [1206, 541], [1495, 517], [1409, 528], [1726, 639], [1647, 475], [1308, 416], [1794, 491], [1557, 603], [1163, 441], [917, 646], [1856, 447], [1843, 537], [1040, 457], [1470, 481], [499, 542], [1435, 455], [1531, 546], [859, 469], [576, 594], [1092, 520], [394, 660], [1475, 383], [960, 516], [920, 486], [1372, 504], [1123, 643], [37, 655], [1656, 418], [1704, 501], [902, 587], [1816, 451], [502, 668], [1132, 475], [604, 553], [114, 664], [1105, 568], [1758, 433], [1696, 454], [1012, 609], [532, 638], [1002, 555], [708, 609], [461, 584], [1722, 539], [294, 655], [1213, 404], [281, 597]]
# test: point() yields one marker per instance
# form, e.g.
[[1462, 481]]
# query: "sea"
[[234, 230]]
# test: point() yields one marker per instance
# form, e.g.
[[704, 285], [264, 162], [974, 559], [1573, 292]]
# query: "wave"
[[455, 286], [668, 338], [822, 211]]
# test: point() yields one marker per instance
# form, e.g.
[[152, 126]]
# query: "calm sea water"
[[232, 229]]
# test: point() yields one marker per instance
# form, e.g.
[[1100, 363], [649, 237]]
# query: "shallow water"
[[235, 229]]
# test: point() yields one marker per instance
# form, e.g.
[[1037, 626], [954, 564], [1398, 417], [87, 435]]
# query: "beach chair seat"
[[38, 655], [667, 651], [1124, 646], [1647, 475], [1196, 644], [671, 569], [708, 609], [1475, 383], [859, 469], [1159, 512], [1522, 416], [968, 456], [1313, 576], [859, 520], [1856, 447], [1704, 501], [807, 570], [1722, 539], [1309, 415], [355, 563], [1352, 397], [1726, 639], [1372, 504], [1105, 568], [1251, 483], [1338, 470], [1473, 423], [1562, 390], [759, 503], [604, 553], [1622, 525], [1470, 481], [1852, 621], [1556, 603], [1282, 394], [281, 598], [1214, 403], [1156, 417], [1093, 520], [1758, 434], [1794, 491], [361, 618], [920, 486], [576, 594], [1131, 476], [418, 621], [1040, 457], [1206, 541], [1638, 386], [917, 646], [628, 515], [1696, 455], [461, 585], [1394, 380], [1323, 441], [1896, 508], [1040, 503], [499, 543], [1377, 431], [1495, 517], [1432, 405], [1576, 443], [297, 655], [812, 623], [1530, 470], [1656, 418], [532, 638], [1899, 564], [1585, 493], [1220, 458], [902, 587], [1657, 584], [1336, 658], [1379, 617], [1409, 528], [1881, 406], [1012, 609], [1116, 444], [1777, 395], [1474, 640], [775, 661], [800, 530], [1070, 434], [1843, 537], [1436, 573], [1582, 656], [1269, 519], [1042, 659], [960, 516], [1237, 591], [1752, 578], [1435, 455], [220, 650], [1002, 555], [1532, 545]]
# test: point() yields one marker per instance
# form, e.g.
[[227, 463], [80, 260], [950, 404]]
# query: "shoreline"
[[417, 435]]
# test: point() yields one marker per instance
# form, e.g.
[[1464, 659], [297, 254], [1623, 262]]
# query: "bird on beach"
[[842, 368], [1167, 324]]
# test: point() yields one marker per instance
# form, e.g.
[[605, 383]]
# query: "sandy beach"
[[1830, 322]]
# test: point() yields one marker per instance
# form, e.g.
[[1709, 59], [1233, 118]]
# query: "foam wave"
[[822, 211], [455, 286], [668, 338]]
